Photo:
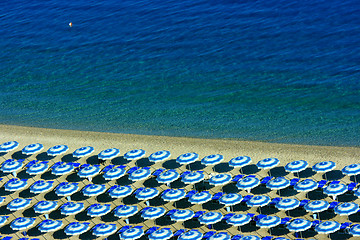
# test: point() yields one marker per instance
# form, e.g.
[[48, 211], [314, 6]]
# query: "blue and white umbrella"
[[45, 206], [140, 174], [296, 166], [93, 189], [220, 236], [109, 154], [353, 169], [168, 176], [57, 150], [3, 220], [355, 230], [147, 193], [135, 154], [182, 215], [230, 199], [268, 163], [15, 184], [132, 234], [173, 195], [83, 152], [2, 199], [239, 219], [220, 179], [159, 156], [278, 183], [335, 190], [200, 198], [37, 168], [287, 204], [50, 225], [327, 227], [325, 166], [357, 192], [71, 208], [187, 158], [22, 223], [210, 218], [62, 169], [8, 146], [41, 186], [268, 222], [258, 201], [299, 225], [240, 161], [193, 177], [125, 211], [120, 191], [317, 206], [161, 234], [104, 229], [191, 235], [250, 237], [89, 171], [98, 210], [114, 173], [306, 185], [76, 228], [347, 208], [248, 183], [11, 166], [18, 204], [153, 213], [32, 148], [212, 159], [66, 189]]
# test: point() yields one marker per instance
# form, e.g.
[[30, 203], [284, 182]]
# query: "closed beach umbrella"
[[240, 161], [268, 163], [135, 154], [89, 171], [45, 206], [114, 173], [22, 223], [220, 236], [250, 237], [104, 229], [71, 208], [299, 225], [193, 177], [268, 222], [140, 174], [50, 225], [220, 179], [212, 159], [93, 189], [306, 185], [41, 186], [98, 210], [296, 166], [83, 152], [66, 189], [76, 228], [335, 190], [210, 218], [161, 234], [187, 158], [239, 220], [147, 193], [200, 198], [132, 234], [325, 166], [153, 212], [15, 184], [355, 230], [182, 215], [353, 169], [173, 195], [109, 154], [230, 199], [37, 168], [327, 227], [125, 211], [32, 148], [3, 220], [278, 183], [159, 156], [8, 146], [120, 191], [191, 235], [347, 208], [18, 204], [317, 206], [248, 183], [11, 166], [258, 201], [287, 204], [62, 168], [57, 150], [168, 176]]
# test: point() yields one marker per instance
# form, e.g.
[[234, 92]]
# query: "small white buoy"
[[70, 24]]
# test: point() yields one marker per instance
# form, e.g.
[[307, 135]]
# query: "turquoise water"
[[264, 70]]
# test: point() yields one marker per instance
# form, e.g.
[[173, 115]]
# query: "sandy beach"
[[176, 145]]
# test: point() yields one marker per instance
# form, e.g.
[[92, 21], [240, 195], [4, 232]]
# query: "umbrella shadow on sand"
[[73, 177], [195, 166], [44, 157], [24, 175], [26, 194], [60, 234], [56, 215], [87, 235], [6, 229], [333, 175], [69, 158], [171, 164], [51, 196], [94, 160], [151, 182], [230, 188], [83, 216], [250, 169], [120, 161], [30, 213], [19, 155], [124, 181], [48, 176], [4, 210], [144, 162], [278, 172], [222, 168], [307, 173], [34, 232], [104, 197]]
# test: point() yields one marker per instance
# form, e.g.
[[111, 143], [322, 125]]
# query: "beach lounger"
[[275, 201], [138, 190], [151, 230], [184, 174], [198, 214], [334, 182], [267, 238], [208, 234], [246, 198], [304, 202], [217, 196], [284, 221], [227, 216], [107, 168], [265, 180], [158, 172], [351, 186], [237, 237], [171, 212], [31, 163], [131, 170], [237, 178], [321, 183], [57, 164], [124, 228], [179, 232], [314, 223], [250, 176], [258, 217], [333, 205], [189, 194], [293, 182], [250, 214], [345, 227]]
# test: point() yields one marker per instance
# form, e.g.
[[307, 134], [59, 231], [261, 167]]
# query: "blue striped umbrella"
[[161, 234], [22, 223], [57, 150], [182, 215], [2, 199], [15, 184], [191, 235], [50, 225], [37, 168], [240, 161], [239, 219], [8, 146], [230, 199], [63, 168], [125, 211], [200, 198], [18, 204], [327, 227], [3, 220], [268, 163], [296, 166], [306, 185], [353, 169], [287, 204], [132, 234], [11, 166], [173, 195], [317, 206], [250, 237], [147, 193], [83, 152], [89, 171], [347, 208], [278, 183], [193, 177], [258, 201], [104, 229], [140, 174], [32, 148], [220, 179], [98, 210], [120, 191], [76, 228], [94, 189], [220, 236], [71, 208], [335, 189], [153, 213], [45, 206], [325, 166], [299, 225], [210, 218], [212, 159], [187, 158], [41, 186], [114, 173], [66, 189], [168, 176], [357, 192], [159, 156], [281, 238], [355, 230], [268, 222], [109, 154], [135, 154], [248, 183]]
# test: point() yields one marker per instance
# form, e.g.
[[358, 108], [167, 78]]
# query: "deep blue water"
[[278, 71]]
